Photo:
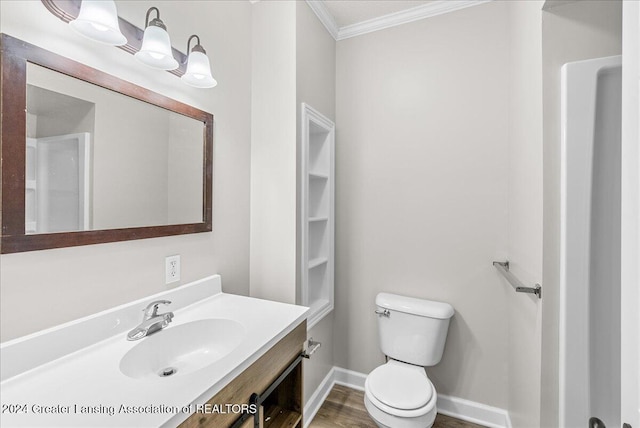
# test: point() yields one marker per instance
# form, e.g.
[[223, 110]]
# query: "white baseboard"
[[470, 411], [354, 380], [317, 398]]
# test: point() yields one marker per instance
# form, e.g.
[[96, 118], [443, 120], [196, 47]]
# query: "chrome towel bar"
[[503, 268]]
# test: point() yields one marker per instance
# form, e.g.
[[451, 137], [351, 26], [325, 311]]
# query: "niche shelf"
[[317, 211]]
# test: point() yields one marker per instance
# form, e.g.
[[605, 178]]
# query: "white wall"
[[421, 189], [570, 32], [273, 151], [524, 250], [56, 286], [316, 86]]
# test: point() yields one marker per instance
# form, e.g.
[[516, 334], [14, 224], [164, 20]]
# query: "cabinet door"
[[255, 379]]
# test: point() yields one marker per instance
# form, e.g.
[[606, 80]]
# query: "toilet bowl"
[[412, 334], [400, 395]]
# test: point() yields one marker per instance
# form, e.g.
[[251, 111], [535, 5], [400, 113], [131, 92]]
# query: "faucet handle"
[[152, 308], [168, 317]]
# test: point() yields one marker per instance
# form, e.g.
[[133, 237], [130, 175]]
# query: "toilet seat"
[[400, 386], [387, 415]]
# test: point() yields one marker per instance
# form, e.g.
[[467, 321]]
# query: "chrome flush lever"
[[384, 313]]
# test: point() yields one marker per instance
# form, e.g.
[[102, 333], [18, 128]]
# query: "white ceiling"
[[349, 12], [350, 18]]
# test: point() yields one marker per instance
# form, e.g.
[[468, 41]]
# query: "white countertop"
[[85, 388]]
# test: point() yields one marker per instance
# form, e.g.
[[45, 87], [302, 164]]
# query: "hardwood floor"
[[344, 408]]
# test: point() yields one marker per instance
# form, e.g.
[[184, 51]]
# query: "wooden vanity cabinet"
[[283, 407]]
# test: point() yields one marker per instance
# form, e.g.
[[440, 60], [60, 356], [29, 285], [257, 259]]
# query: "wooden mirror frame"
[[15, 54]]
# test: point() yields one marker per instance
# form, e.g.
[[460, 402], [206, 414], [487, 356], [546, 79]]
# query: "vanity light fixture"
[[198, 72], [98, 21], [156, 45]]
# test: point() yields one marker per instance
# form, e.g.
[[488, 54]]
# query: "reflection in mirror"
[[97, 159]]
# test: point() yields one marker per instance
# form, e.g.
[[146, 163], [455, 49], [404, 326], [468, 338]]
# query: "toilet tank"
[[413, 330]]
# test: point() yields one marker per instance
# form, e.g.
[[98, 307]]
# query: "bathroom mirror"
[[88, 158]]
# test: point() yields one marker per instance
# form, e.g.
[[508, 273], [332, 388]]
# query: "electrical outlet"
[[172, 269]]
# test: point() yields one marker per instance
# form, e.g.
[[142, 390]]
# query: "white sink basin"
[[182, 349]]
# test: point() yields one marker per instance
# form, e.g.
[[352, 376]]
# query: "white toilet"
[[412, 334]]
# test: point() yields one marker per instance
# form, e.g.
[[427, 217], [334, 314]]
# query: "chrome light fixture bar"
[[198, 72], [68, 10], [156, 44], [98, 21], [101, 19]]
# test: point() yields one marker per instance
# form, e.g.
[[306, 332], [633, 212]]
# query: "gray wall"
[[273, 151], [185, 182], [571, 32], [293, 62], [525, 209], [316, 86], [421, 189], [56, 286]]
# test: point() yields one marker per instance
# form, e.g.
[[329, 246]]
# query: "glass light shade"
[[198, 71], [156, 49], [98, 20]]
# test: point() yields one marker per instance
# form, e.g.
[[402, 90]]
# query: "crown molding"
[[324, 16], [405, 16], [428, 10]]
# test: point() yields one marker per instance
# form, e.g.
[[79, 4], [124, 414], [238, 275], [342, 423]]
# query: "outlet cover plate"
[[172, 269]]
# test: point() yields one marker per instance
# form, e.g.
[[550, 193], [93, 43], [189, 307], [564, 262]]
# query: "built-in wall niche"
[[318, 238], [317, 211], [319, 195]]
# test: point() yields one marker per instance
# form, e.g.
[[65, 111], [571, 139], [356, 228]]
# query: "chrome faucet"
[[152, 321]]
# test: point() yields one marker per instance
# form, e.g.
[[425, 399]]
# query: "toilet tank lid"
[[412, 305]]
